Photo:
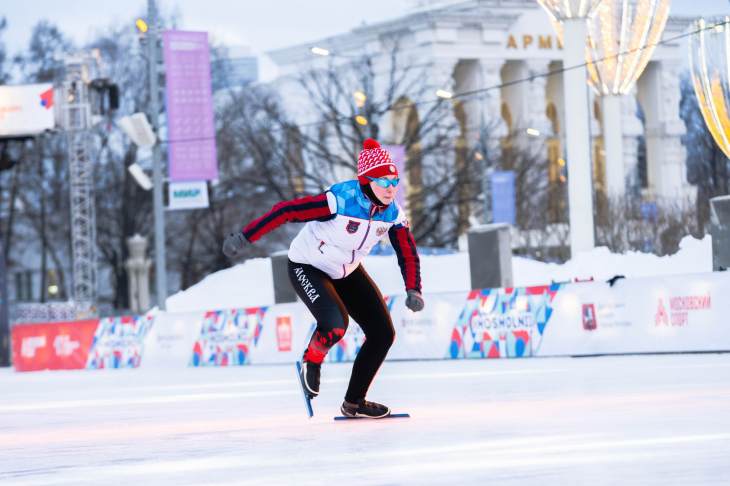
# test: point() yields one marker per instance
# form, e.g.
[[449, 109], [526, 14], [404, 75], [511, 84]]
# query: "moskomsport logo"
[[64, 345], [30, 344]]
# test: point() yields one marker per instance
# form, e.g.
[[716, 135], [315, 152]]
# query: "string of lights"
[[443, 95], [475, 92]]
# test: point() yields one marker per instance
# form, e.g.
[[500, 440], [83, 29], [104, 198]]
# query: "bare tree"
[[295, 156], [253, 175], [40, 181], [633, 225], [707, 165], [122, 207]]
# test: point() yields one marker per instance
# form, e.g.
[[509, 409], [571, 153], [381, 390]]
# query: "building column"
[[536, 97], [578, 153], [621, 129], [632, 129], [659, 93], [455, 77], [491, 103], [439, 76], [611, 114]]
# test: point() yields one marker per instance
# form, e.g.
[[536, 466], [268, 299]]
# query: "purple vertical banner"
[[398, 154], [190, 127]]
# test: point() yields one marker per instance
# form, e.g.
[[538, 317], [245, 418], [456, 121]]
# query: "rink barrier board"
[[684, 313]]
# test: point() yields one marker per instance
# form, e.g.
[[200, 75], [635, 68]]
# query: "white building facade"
[[503, 50]]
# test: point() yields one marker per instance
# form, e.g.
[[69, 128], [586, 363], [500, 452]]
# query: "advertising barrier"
[[228, 337], [503, 323], [685, 313], [26, 110], [53, 346], [170, 341], [118, 342]]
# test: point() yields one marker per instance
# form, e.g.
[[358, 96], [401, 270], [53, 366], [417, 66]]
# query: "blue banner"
[[503, 196]]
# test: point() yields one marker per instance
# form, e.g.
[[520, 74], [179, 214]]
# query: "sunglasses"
[[383, 182]]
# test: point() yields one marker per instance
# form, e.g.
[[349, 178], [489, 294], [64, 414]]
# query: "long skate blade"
[[392, 415], [307, 401]]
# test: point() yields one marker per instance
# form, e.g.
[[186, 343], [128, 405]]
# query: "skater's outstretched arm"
[[300, 210], [310, 208], [410, 265]]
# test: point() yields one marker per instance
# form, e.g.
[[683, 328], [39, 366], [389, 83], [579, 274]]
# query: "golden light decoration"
[[622, 37], [360, 98], [709, 50], [141, 25], [568, 9]]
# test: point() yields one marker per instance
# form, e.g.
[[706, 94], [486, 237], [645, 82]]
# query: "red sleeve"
[[405, 249], [308, 208]]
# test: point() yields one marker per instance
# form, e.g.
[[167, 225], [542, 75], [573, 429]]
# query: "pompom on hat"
[[374, 161]]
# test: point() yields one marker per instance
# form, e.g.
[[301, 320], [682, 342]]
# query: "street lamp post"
[[160, 264], [572, 14], [709, 57], [622, 37]]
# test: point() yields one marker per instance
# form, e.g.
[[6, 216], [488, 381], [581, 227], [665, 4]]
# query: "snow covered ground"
[[249, 284], [640, 420]]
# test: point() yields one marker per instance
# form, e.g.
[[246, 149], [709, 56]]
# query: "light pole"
[[572, 14], [160, 264], [709, 57], [622, 38]]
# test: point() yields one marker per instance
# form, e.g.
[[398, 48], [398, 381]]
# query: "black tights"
[[330, 301]]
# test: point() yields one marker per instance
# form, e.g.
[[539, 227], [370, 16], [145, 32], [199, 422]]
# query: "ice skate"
[[364, 409]]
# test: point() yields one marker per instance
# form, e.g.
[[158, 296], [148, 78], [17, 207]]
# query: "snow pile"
[[249, 284], [694, 256]]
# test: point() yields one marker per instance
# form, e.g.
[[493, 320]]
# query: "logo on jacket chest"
[[352, 226], [381, 231]]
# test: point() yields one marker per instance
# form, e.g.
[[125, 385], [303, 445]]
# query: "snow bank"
[[250, 283]]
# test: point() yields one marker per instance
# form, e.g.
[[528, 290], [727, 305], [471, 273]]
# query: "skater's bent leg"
[[366, 305], [315, 289], [322, 341]]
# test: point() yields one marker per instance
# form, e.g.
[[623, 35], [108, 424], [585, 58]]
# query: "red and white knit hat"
[[374, 162]]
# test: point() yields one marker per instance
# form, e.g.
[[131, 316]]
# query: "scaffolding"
[[76, 120]]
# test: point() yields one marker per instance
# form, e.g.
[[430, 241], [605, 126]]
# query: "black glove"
[[233, 244], [414, 300]]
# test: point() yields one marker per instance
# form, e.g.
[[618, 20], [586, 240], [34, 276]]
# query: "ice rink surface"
[[610, 420]]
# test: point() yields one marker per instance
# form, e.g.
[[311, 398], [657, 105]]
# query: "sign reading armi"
[[525, 41]]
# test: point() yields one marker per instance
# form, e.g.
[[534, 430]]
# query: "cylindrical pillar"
[[613, 145], [577, 119], [159, 210]]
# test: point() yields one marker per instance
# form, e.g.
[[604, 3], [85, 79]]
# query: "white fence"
[[684, 313]]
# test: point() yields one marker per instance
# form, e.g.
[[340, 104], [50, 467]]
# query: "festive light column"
[[571, 15], [709, 57], [622, 36]]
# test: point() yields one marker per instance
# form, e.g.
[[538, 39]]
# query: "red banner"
[[52, 346], [283, 333]]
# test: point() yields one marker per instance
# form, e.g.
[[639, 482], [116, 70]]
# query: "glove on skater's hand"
[[233, 244], [414, 300]]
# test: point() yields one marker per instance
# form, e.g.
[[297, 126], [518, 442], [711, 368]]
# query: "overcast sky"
[[262, 25]]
